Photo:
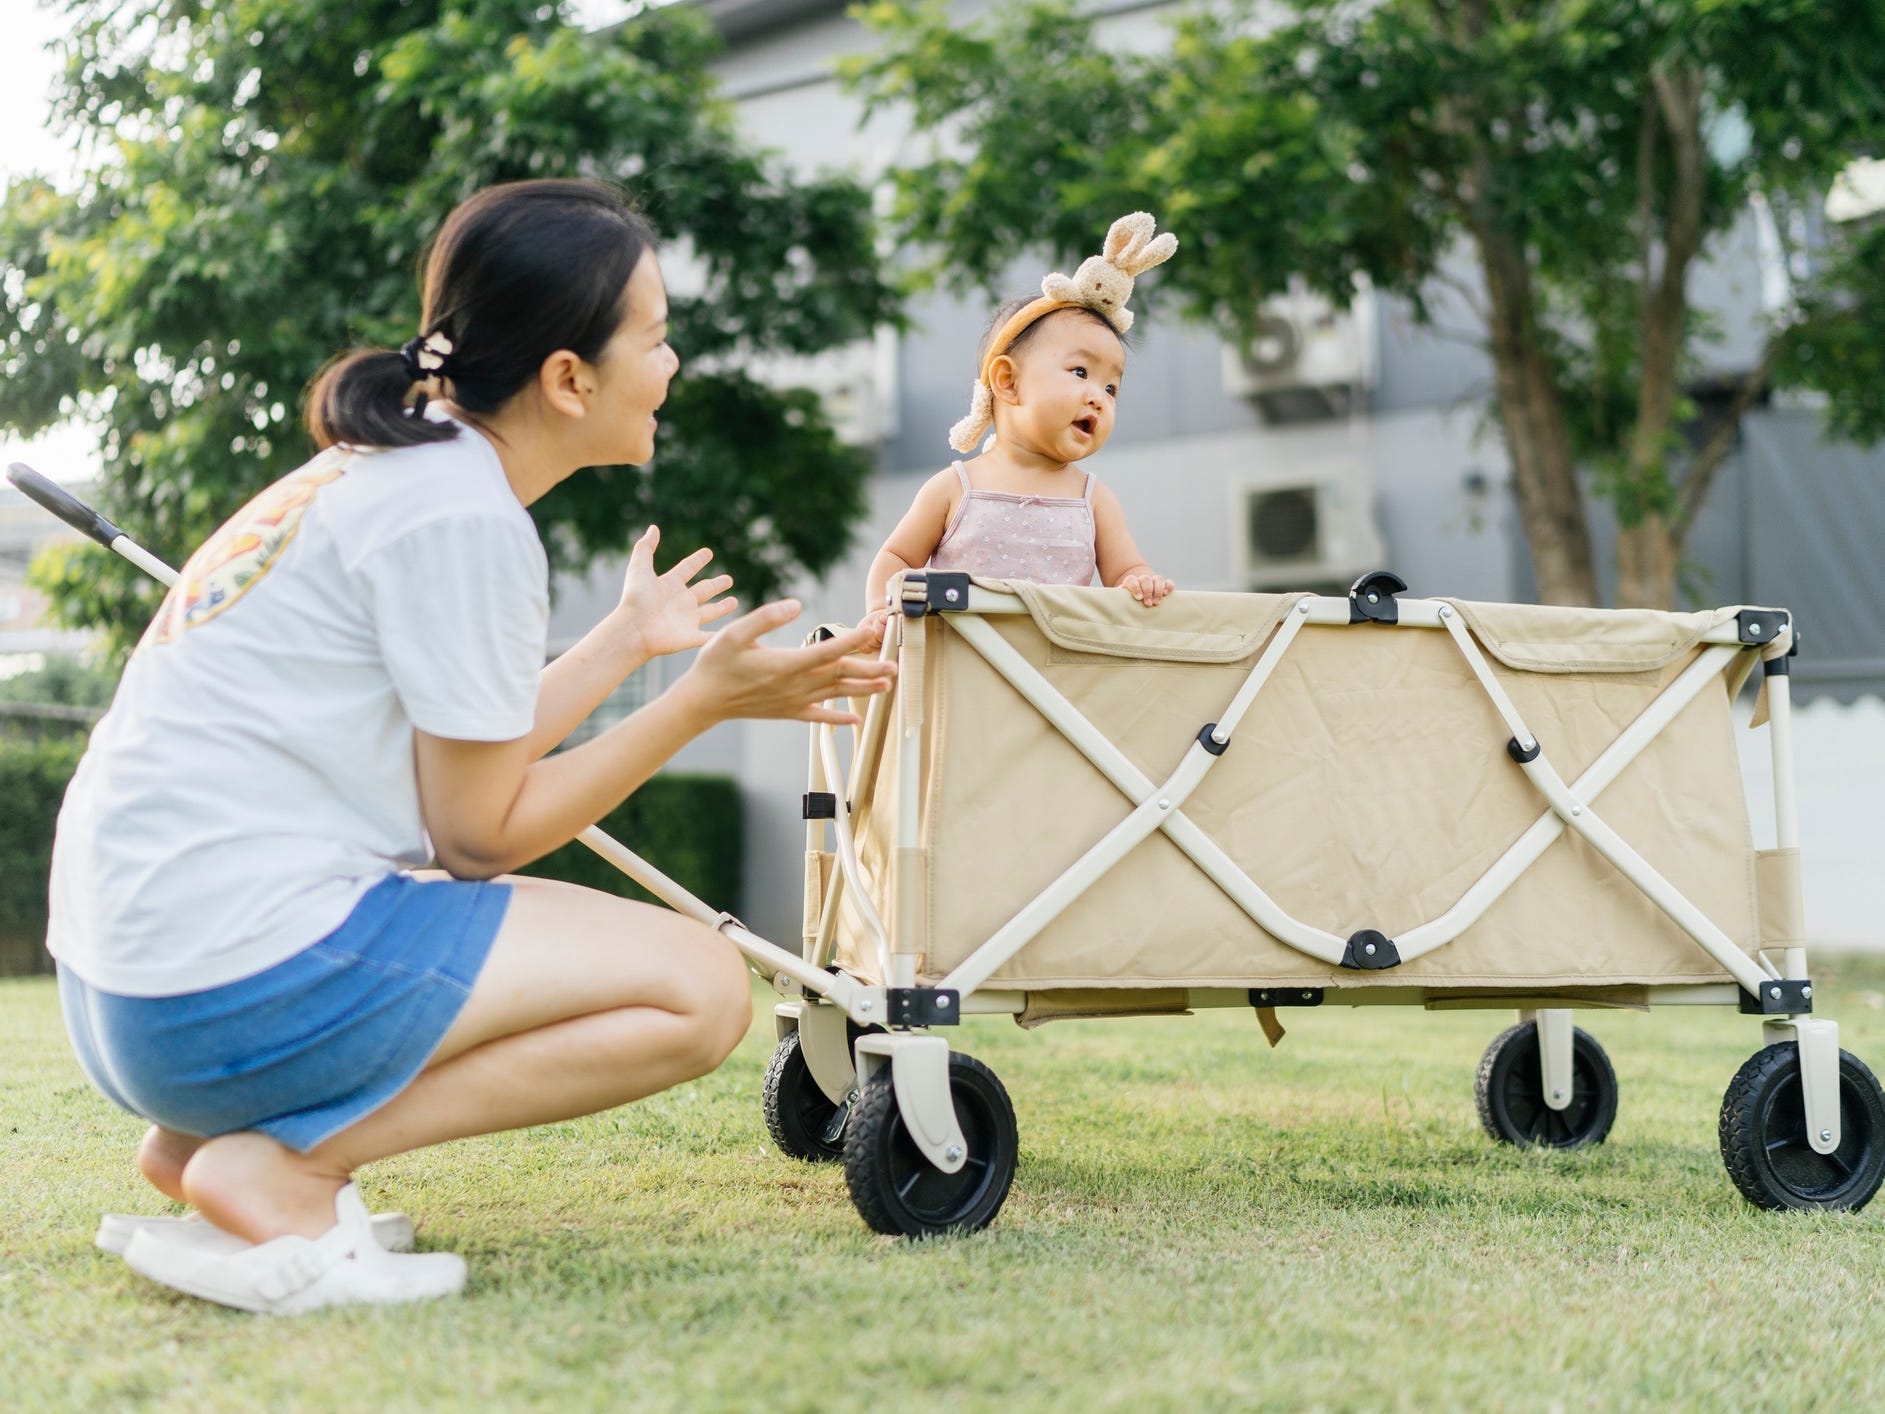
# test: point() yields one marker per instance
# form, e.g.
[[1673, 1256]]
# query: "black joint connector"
[[1370, 951], [1780, 667], [1519, 753], [1371, 598], [820, 805], [1285, 996], [923, 1006], [1779, 996], [1209, 742], [948, 591], [1757, 626]]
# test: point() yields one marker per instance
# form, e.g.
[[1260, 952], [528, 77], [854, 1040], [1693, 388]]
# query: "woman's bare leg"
[[586, 1002]]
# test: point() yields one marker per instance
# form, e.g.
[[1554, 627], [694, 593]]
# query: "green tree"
[[1585, 152], [260, 180]]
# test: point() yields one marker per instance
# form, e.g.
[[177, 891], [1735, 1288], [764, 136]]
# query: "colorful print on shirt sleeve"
[[238, 555]]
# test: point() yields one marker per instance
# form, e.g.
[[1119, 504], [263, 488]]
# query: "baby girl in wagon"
[[1049, 385]]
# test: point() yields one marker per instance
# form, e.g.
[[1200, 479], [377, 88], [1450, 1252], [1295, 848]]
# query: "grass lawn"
[[1198, 1222]]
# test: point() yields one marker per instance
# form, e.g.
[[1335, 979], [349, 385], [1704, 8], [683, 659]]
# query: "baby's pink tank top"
[[1044, 539]]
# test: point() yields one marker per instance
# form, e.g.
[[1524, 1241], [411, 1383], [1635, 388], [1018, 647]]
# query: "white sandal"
[[393, 1231], [345, 1266]]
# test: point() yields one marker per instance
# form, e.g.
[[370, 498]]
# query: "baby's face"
[[1068, 378]]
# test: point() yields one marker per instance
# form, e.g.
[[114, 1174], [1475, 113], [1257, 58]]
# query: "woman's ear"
[[566, 383], [1004, 379]]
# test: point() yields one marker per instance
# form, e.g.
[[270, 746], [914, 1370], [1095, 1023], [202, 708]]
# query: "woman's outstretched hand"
[[666, 612], [737, 676]]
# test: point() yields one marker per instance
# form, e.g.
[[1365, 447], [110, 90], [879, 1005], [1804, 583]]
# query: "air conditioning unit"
[[857, 383], [1305, 353], [1313, 528]]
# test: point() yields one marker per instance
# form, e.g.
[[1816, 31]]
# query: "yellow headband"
[[969, 431], [1022, 318]]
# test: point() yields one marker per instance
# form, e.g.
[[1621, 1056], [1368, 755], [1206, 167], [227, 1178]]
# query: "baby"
[[1050, 374]]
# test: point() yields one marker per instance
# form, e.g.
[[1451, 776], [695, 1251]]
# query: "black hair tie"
[[409, 355], [425, 358]]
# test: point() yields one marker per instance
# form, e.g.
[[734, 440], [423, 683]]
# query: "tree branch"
[[1679, 97], [1645, 203], [1710, 456]]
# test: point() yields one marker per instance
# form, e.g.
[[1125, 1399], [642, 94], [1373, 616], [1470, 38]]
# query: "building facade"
[[1355, 440]]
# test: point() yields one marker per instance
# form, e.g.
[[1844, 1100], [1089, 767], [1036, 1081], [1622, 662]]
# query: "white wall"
[[1839, 762]]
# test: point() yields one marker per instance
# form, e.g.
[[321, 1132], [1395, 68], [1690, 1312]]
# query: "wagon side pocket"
[[818, 864], [1783, 902]]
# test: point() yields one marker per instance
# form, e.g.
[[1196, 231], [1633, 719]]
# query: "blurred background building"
[[1342, 441], [1339, 441]]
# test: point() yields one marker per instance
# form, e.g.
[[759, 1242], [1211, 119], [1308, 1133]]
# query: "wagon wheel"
[[1764, 1139], [1510, 1092], [896, 1189], [802, 1120]]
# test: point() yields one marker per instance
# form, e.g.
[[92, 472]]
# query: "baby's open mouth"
[[1086, 424]]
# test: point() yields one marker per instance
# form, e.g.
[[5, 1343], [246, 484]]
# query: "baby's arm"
[[1121, 564], [914, 540]]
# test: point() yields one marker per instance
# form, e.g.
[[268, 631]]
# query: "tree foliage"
[[1585, 152], [260, 181]]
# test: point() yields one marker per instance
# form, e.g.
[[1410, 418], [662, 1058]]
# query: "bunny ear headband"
[[1103, 284]]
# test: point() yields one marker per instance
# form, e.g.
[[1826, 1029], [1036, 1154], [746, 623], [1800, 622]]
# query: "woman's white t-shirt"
[[255, 775]]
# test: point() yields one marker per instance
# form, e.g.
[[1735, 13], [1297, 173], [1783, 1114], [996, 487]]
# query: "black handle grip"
[[63, 504]]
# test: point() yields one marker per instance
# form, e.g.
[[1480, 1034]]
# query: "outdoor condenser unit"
[[1308, 530], [1305, 354]]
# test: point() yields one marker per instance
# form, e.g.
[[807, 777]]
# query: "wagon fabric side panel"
[[1368, 787]]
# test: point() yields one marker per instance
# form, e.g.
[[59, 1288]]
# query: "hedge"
[[33, 776], [689, 827]]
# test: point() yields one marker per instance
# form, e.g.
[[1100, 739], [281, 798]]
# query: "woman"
[[347, 683]]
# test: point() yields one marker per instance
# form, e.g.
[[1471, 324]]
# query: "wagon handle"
[[63, 504], [82, 518]]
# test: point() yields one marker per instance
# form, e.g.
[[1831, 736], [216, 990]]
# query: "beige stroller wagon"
[[1074, 808], [1071, 807]]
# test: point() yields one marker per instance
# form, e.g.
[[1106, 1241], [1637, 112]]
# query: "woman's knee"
[[722, 1005]]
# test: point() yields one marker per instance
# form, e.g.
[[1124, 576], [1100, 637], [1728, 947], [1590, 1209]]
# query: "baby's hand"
[[875, 622], [1147, 588]]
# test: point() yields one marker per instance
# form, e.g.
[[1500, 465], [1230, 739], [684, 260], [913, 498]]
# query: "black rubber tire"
[[797, 1111], [1510, 1092], [1764, 1141], [895, 1188]]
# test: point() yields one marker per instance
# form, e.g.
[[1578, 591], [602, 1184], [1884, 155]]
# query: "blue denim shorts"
[[310, 1046]]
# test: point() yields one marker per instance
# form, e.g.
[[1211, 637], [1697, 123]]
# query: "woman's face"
[[634, 371]]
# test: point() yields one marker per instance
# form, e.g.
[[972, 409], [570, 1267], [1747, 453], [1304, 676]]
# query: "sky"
[[26, 74]]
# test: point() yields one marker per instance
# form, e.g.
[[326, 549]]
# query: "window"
[[637, 690]]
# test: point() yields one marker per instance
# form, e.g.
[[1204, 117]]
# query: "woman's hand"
[[736, 676], [665, 612]]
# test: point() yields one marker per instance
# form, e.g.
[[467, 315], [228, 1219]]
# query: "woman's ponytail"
[[361, 398]]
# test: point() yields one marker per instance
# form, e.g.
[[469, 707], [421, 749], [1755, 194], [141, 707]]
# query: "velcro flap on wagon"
[[1544, 638], [1190, 628]]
